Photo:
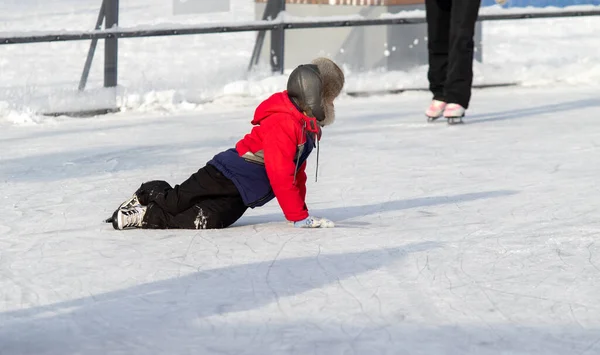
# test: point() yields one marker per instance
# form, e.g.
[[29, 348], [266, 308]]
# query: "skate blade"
[[455, 120], [432, 119], [112, 218]]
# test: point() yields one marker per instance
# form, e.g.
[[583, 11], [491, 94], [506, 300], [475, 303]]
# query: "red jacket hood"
[[280, 103]]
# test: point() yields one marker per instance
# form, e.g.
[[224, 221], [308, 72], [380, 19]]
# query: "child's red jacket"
[[270, 161]]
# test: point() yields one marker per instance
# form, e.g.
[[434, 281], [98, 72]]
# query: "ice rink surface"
[[471, 239]]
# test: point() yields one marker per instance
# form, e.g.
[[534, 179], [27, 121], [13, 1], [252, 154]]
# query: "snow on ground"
[[473, 239], [182, 73]]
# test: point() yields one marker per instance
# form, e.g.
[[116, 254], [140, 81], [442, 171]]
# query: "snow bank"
[[170, 74]]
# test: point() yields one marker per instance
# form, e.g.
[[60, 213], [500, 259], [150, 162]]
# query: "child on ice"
[[269, 162]]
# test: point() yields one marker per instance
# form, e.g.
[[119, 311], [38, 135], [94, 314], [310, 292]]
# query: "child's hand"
[[314, 222]]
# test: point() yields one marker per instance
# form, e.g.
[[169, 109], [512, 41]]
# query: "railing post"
[[278, 43], [92, 50], [111, 45]]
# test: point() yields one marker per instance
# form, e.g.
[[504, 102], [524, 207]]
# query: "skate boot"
[[435, 110], [127, 218], [130, 202], [454, 113], [127, 204]]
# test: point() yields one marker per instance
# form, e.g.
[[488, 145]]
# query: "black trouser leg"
[[438, 42], [213, 213], [460, 61], [207, 182], [207, 199]]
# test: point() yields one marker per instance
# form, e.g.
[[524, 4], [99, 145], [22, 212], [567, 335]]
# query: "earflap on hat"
[[305, 88], [333, 81]]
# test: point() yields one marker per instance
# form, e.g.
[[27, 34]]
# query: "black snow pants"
[[450, 32], [206, 200]]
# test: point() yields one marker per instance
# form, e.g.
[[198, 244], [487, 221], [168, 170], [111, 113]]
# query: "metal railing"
[[262, 26], [109, 15]]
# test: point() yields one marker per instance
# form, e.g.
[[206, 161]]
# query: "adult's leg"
[[438, 39], [460, 59], [212, 213], [206, 183]]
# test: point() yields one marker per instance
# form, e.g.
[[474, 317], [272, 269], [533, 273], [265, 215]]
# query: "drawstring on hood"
[[317, 168], [312, 88], [316, 144]]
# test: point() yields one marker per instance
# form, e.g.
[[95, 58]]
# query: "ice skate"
[[130, 202], [126, 218], [127, 204], [454, 113], [435, 110]]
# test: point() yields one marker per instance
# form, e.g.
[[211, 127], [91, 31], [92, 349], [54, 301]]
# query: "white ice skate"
[[127, 204], [130, 202], [454, 113], [435, 110], [126, 218]]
